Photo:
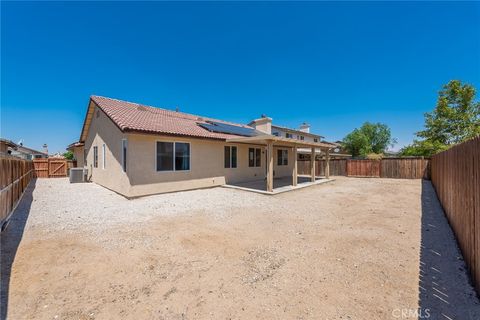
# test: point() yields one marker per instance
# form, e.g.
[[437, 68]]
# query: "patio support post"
[[327, 164], [270, 166], [312, 165], [294, 172]]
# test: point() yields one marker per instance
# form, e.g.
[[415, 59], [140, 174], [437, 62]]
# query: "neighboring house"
[[7, 147], [339, 152], [79, 153], [303, 133], [27, 153], [138, 150]]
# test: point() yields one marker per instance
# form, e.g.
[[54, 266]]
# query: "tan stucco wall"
[[79, 156], [206, 165], [206, 162], [103, 130], [283, 171]]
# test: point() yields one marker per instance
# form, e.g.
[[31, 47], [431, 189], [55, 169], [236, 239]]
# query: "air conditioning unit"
[[77, 175]]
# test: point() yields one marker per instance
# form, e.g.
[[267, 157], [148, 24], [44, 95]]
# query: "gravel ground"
[[350, 249], [90, 208]]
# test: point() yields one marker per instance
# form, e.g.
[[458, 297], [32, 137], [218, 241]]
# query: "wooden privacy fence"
[[337, 167], [399, 168], [405, 168], [52, 167], [15, 175], [456, 178], [363, 168]]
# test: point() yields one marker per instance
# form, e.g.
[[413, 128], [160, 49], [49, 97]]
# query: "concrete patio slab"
[[280, 185]]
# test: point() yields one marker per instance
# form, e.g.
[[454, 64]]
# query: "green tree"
[[68, 155], [369, 138], [456, 118]]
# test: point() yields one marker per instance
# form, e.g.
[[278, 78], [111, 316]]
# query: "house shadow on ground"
[[9, 241], [445, 288]]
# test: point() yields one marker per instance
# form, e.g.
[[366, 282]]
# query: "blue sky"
[[334, 65]]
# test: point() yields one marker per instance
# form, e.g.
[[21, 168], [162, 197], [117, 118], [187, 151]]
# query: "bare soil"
[[349, 249]]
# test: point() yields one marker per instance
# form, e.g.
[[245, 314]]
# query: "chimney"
[[263, 124], [45, 148], [305, 127]]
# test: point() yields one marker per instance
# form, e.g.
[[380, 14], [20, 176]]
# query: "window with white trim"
[[282, 157], [104, 161], [172, 156], [230, 157]]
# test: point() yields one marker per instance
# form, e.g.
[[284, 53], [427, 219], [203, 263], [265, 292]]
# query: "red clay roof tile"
[[130, 116]]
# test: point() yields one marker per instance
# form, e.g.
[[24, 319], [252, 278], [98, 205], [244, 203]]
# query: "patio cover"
[[270, 141]]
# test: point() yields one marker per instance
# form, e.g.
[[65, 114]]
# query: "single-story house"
[[10, 148], [5, 147], [137, 150]]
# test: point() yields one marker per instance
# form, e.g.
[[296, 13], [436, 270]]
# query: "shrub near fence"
[[456, 178], [15, 175]]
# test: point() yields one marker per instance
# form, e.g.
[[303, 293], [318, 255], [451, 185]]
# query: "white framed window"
[[230, 156], [282, 157], [104, 153], [289, 135], [124, 154], [172, 156]]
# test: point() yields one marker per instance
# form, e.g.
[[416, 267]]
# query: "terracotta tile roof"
[[130, 116]]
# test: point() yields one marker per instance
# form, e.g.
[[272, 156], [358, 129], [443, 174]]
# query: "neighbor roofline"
[[30, 149], [9, 143], [297, 131]]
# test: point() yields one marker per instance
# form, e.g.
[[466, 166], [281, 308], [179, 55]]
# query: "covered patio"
[[271, 185]]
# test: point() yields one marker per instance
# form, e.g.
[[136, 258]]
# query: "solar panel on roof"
[[220, 127]]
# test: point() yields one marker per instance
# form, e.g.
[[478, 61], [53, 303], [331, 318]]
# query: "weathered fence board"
[[398, 168], [337, 167], [405, 168], [57, 168], [15, 175], [455, 174], [363, 168], [41, 168], [52, 167]]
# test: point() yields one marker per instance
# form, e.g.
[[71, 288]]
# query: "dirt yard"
[[349, 249]]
